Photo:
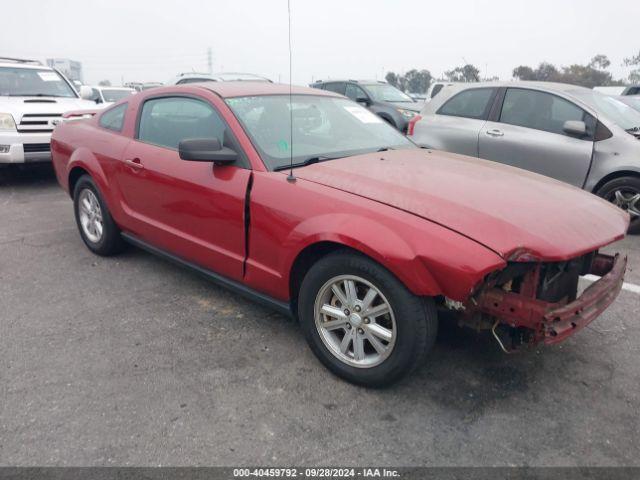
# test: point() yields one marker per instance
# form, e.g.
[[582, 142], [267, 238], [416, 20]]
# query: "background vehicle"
[[570, 133], [32, 100], [361, 243], [436, 87], [632, 100], [140, 86], [193, 77], [392, 105], [623, 90], [106, 96]]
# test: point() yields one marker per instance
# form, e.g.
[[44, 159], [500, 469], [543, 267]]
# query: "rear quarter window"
[[113, 119]]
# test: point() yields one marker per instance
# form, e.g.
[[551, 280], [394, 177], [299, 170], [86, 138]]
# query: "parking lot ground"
[[131, 360]]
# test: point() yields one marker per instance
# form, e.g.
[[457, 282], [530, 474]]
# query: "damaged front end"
[[530, 302]]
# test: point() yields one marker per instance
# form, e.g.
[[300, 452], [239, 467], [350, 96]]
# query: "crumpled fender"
[[386, 247]]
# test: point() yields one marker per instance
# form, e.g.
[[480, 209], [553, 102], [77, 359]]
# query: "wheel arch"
[[612, 176], [405, 266]]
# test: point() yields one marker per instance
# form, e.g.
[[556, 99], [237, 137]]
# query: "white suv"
[[32, 100]]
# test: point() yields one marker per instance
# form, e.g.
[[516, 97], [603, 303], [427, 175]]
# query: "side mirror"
[[86, 92], [363, 101], [575, 128], [206, 150]]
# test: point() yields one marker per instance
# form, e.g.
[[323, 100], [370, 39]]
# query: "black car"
[[386, 101]]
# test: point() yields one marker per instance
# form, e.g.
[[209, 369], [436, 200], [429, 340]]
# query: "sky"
[[143, 40]]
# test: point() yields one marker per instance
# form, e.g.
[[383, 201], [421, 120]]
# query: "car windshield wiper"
[[306, 161]]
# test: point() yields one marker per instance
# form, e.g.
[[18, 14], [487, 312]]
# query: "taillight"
[[412, 124]]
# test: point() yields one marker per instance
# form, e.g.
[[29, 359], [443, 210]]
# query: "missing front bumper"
[[543, 321]]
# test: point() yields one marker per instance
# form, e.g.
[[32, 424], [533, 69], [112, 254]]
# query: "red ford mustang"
[[363, 243]]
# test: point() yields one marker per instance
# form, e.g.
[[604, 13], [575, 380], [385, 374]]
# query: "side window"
[[337, 87], [436, 89], [354, 92], [167, 121], [113, 119], [472, 103], [541, 111]]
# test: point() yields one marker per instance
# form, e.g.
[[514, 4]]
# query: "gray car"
[[570, 133], [392, 105]]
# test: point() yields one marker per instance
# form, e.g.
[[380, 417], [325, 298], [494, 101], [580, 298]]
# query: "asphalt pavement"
[[131, 360]]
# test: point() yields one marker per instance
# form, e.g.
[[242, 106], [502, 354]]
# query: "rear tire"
[[624, 192], [97, 228], [344, 326]]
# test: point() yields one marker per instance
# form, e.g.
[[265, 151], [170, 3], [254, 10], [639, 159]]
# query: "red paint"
[[439, 222]]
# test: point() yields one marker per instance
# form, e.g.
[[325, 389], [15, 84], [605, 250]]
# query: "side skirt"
[[237, 287]]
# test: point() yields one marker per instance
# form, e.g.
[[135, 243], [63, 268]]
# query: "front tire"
[[97, 228], [361, 322], [624, 192]]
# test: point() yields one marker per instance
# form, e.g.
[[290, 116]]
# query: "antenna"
[[290, 177]]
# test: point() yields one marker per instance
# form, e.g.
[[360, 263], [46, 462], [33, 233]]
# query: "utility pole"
[[210, 60]]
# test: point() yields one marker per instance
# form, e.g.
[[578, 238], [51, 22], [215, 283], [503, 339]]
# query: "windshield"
[[115, 95], [619, 113], [31, 82], [322, 127], [383, 92]]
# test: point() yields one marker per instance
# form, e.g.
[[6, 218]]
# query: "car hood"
[[18, 106], [517, 214], [413, 106]]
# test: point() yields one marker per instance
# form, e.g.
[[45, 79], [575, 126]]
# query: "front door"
[[529, 134], [194, 210]]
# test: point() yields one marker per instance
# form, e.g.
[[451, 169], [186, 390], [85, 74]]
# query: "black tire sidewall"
[[621, 182], [416, 320]]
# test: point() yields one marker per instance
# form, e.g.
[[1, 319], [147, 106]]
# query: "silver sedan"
[[562, 131]]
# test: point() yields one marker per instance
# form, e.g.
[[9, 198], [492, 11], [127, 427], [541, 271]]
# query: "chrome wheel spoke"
[[619, 198], [339, 294], [634, 207], [350, 289], [380, 331], [375, 343], [346, 341], [378, 310], [368, 299], [358, 347]]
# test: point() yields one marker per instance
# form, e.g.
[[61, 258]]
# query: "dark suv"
[[386, 101]]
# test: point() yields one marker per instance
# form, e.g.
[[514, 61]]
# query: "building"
[[69, 68]]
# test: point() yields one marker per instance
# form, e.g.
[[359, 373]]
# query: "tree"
[[104, 83], [524, 73], [634, 75], [466, 73], [418, 81], [391, 78], [600, 62]]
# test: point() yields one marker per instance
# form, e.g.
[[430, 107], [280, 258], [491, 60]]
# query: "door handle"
[[134, 163], [495, 132]]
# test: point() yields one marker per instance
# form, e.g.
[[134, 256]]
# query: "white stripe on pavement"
[[631, 287]]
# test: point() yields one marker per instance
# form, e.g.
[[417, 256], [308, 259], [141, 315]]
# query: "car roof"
[[248, 89], [551, 86], [30, 66], [563, 89]]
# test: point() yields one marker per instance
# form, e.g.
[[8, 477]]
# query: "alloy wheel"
[[627, 199], [355, 321], [90, 215]]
